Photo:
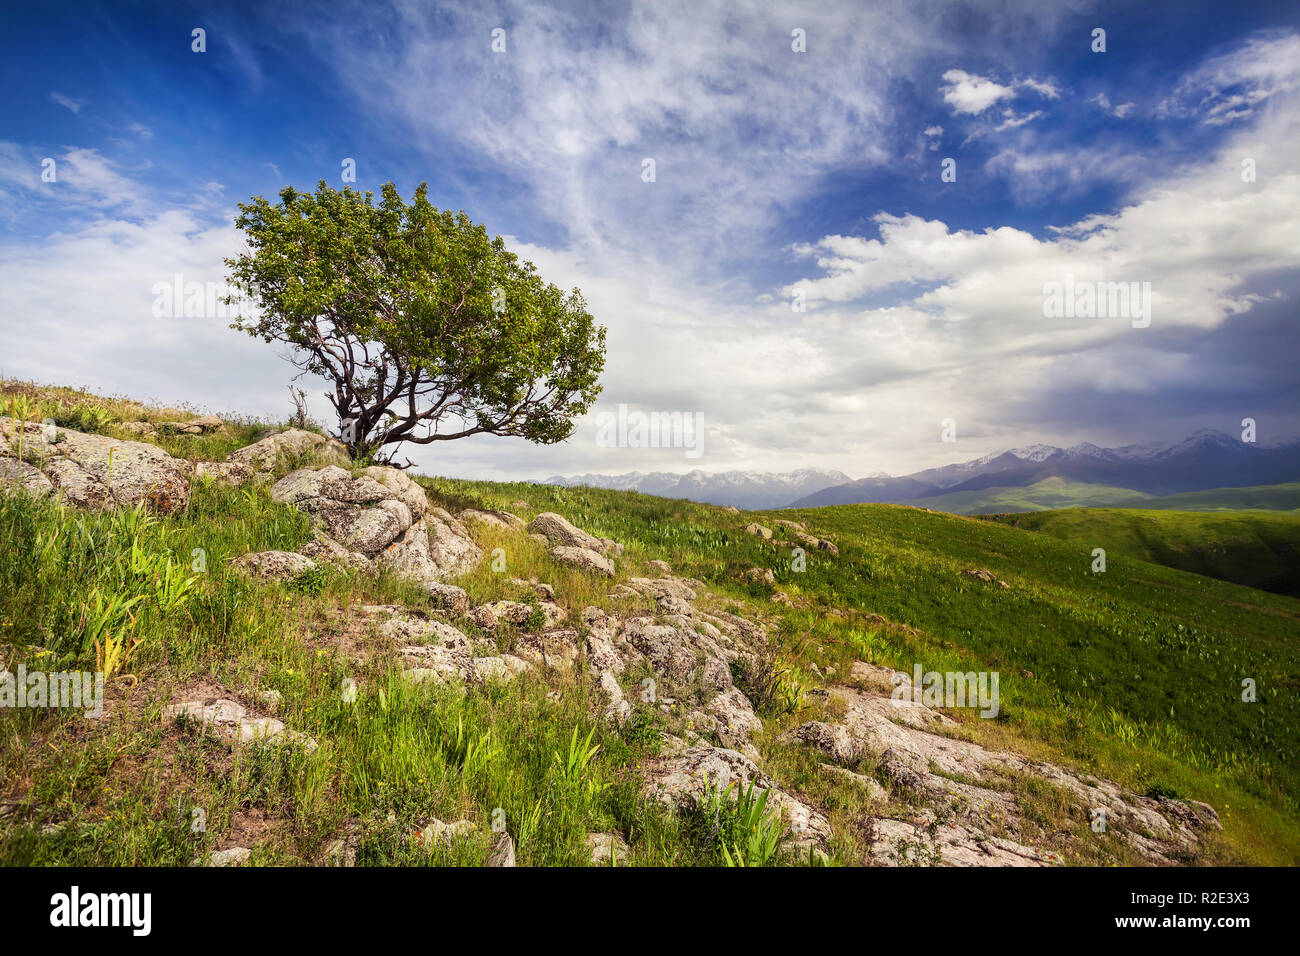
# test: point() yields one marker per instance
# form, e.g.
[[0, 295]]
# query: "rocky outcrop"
[[688, 777], [433, 651], [273, 565], [203, 425], [378, 516], [496, 519], [584, 559], [19, 476], [988, 577], [289, 445], [815, 543], [557, 530], [92, 471], [908, 746]]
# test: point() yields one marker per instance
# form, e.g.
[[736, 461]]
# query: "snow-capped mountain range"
[[1207, 459]]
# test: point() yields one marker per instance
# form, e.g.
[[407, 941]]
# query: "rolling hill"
[[1257, 549]]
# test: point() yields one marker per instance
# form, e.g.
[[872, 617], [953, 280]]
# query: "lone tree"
[[429, 329]]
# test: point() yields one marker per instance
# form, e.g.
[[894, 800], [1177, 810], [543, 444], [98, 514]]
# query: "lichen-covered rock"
[[289, 445], [898, 843], [323, 548], [584, 559], [607, 849], [17, 475], [678, 653], [383, 516], [557, 529], [689, 775], [450, 598], [496, 519], [229, 719], [907, 743], [224, 472], [359, 512], [759, 531], [273, 565], [94, 471], [235, 856], [503, 852], [816, 543], [451, 550]]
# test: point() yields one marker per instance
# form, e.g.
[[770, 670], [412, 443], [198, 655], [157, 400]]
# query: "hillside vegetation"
[[1133, 675], [1059, 493], [1260, 549]]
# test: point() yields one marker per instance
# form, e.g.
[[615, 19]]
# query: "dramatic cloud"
[[794, 271]]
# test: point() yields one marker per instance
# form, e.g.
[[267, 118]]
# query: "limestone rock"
[[273, 565], [607, 849], [503, 852], [289, 444], [235, 856], [584, 559], [224, 472], [231, 720], [94, 471], [688, 775], [17, 475], [450, 598], [559, 531], [496, 519]]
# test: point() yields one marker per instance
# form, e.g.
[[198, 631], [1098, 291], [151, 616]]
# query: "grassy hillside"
[[1058, 493], [1263, 497], [1133, 675], [1259, 549], [1136, 673], [1040, 496]]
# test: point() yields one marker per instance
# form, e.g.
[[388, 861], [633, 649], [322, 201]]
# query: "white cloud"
[[1233, 85], [970, 94], [67, 102], [1120, 111]]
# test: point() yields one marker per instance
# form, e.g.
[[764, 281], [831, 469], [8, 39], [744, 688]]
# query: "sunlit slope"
[[1259, 549], [1152, 643], [1041, 495]]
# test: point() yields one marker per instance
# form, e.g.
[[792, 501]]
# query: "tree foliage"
[[428, 329]]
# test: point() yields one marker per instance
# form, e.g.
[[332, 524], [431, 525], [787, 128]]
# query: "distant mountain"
[[1023, 479], [741, 489], [1208, 459]]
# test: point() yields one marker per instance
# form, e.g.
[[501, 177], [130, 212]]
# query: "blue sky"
[[777, 172]]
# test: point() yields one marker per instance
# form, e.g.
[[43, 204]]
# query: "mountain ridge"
[[1205, 460]]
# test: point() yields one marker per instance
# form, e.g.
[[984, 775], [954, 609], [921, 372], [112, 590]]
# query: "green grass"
[[1260, 497], [1040, 496], [1259, 549], [1058, 493]]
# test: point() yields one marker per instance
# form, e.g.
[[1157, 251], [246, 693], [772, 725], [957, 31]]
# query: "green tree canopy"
[[428, 329]]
